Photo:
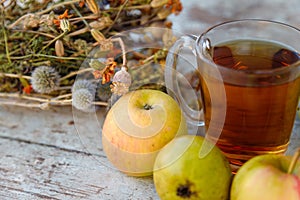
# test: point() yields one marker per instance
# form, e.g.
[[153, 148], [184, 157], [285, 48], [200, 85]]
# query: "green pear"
[[180, 172]]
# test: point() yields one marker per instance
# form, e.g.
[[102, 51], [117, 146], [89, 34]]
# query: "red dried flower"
[[65, 15], [81, 3], [27, 89], [176, 6], [107, 73]]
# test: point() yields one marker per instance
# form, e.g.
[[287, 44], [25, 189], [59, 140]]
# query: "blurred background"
[[198, 15]]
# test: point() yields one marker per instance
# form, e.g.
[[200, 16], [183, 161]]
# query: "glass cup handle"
[[175, 79], [172, 79]]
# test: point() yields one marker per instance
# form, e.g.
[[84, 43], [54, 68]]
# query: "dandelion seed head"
[[84, 84], [44, 79], [82, 99]]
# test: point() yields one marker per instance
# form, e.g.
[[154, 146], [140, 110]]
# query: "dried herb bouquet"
[[46, 45]]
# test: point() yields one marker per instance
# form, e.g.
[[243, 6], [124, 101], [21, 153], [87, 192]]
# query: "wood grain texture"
[[41, 157]]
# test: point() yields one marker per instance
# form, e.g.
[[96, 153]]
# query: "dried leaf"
[[97, 65], [59, 48], [107, 73]]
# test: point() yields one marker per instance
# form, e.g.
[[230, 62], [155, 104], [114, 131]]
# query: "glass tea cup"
[[248, 85]]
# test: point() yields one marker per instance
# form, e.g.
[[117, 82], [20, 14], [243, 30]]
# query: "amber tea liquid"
[[260, 112]]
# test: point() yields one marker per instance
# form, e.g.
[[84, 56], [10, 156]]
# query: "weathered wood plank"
[[53, 127], [57, 154], [35, 171]]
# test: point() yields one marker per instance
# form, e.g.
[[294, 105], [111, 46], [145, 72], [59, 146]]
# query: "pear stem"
[[294, 161]]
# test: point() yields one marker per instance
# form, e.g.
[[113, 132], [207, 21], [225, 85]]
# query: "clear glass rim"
[[256, 72]]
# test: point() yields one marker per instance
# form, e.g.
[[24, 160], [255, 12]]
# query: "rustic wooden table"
[[57, 154]]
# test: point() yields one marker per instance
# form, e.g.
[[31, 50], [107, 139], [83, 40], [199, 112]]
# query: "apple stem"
[[294, 161], [147, 107]]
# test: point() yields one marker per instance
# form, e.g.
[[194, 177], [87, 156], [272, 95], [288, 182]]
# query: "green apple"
[[267, 177], [180, 172], [137, 126]]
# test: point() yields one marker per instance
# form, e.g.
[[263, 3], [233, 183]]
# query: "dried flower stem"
[[57, 57], [46, 56], [131, 7], [122, 45], [100, 103], [76, 73], [59, 100], [63, 96], [31, 98], [57, 6], [79, 14], [14, 75], [149, 59], [6, 45], [75, 19], [117, 16], [35, 32], [56, 38], [26, 105], [19, 20]]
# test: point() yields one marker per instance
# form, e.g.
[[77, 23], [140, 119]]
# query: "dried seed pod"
[[121, 82], [119, 88], [164, 13], [158, 3], [59, 48], [65, 25], [93, 6], [97, 35], [122, 76], [44, 79]]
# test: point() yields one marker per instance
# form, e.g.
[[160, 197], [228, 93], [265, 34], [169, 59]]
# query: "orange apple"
[[137, 126]]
